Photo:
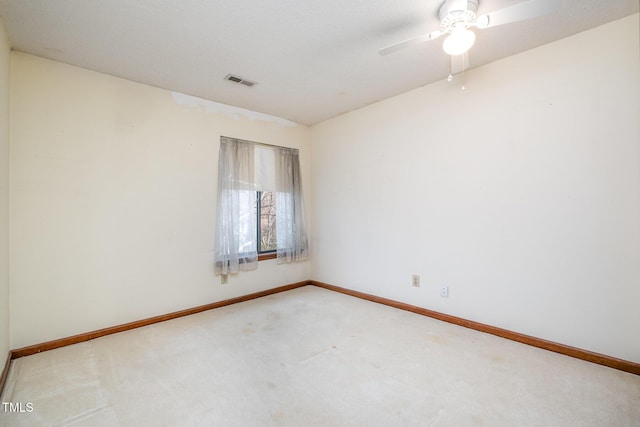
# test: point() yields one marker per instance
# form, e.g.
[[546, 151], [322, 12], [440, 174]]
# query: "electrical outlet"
[[224, 279], [444, 291], [416, 281]]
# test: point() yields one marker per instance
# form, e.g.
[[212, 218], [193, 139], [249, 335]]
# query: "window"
[[266, 216], [260, 210]]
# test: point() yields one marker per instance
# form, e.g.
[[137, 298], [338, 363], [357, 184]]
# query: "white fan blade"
[[518, 12], [410, 42]]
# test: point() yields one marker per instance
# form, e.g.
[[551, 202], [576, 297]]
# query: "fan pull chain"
[[464, 67], [465, 60]]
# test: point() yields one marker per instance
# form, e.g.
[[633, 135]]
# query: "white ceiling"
[[312, 59]]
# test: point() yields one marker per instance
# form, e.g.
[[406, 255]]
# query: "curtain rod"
[[260, 143]]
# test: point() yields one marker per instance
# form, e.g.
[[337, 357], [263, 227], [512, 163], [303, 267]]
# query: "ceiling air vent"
[[239, 80]]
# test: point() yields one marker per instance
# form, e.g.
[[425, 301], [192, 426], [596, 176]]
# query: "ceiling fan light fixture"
[[459, 41]]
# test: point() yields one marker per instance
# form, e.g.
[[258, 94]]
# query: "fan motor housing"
[[455, 13]]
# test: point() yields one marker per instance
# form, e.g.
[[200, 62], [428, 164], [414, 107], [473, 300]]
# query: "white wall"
[[521, 194], [4, 195], [113, 200]]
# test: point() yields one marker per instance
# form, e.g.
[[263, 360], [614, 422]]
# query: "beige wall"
[[4, 195], [113, 200], [522, 194]]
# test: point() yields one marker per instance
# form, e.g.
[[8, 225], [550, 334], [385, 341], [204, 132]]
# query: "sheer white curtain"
[[244, 168], [236, 244], [290, 222]]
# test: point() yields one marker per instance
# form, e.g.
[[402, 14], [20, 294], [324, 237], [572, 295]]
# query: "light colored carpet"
[[312, 357]]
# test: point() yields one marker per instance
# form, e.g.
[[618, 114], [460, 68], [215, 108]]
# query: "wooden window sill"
[[270, 255]]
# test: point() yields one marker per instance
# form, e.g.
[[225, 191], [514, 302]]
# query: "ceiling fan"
[[457, 17]]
